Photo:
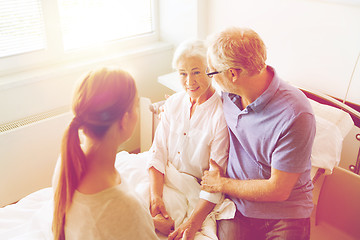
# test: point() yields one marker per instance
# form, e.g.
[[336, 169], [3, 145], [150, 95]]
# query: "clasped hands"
[[162, 221], [187, 230], [165, 224]]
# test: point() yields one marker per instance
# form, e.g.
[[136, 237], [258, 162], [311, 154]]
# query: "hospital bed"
[[336, 193], [335, 165]]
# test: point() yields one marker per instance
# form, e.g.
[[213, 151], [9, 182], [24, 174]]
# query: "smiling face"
[[194, 79]]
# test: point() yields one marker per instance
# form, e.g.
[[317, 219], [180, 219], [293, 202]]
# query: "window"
[[21, 27], [34, 32], [87, 22]]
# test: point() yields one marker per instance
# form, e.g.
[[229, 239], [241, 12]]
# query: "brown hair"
[[237, 48], [102, 97]]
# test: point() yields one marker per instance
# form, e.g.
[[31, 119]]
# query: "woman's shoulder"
[[175, 102], [123, 214], [111, 194], [122, 192], [217, 99], [128, 209], [112, 202], [214, 103], [176, 97]]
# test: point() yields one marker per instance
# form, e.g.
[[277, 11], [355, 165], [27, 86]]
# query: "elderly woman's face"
[[193, 77]]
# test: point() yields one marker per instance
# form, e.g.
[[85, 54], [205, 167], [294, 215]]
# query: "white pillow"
[[332, 125]]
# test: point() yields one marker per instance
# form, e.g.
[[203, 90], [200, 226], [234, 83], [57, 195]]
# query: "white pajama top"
[[189, 143]]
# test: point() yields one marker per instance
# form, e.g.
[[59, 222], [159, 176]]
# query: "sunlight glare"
[[89, 22]]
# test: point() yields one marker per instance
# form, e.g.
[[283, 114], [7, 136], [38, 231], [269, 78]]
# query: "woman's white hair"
[[189, 48]]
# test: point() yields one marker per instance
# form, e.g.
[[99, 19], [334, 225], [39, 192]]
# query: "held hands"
[[185, 231], [157, 206], [163, 225], [211, 181], [162, 221]]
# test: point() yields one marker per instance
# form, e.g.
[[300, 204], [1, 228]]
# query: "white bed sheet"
[[28, 219], [181, 192], [31, 217]]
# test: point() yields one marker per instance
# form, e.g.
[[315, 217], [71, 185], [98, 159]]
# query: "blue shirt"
[[277, 130]]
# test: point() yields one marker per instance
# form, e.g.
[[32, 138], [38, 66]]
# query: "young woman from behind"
[[91, 200]]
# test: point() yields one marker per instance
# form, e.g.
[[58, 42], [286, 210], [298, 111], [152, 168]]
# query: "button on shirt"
[[189, 143], [275, 131]]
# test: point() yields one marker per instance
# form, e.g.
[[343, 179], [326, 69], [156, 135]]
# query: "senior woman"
[[192, 131]]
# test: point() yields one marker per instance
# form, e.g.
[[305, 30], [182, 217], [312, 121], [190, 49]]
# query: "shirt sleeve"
[[159, 149], [219, 153], [294, 146]]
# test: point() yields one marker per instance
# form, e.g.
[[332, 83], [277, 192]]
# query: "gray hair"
[[189, 48], [237, 48]]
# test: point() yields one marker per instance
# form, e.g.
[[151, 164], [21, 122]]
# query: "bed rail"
[[331, 101]]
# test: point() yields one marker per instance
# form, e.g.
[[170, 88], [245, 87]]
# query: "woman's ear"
[[124, 121]]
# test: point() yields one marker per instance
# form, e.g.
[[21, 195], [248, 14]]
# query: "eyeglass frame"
[[211, 74]]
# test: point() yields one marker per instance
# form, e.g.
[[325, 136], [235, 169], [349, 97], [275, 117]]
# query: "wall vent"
[[33, 119]]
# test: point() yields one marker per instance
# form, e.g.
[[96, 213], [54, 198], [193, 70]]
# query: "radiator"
[[29, 149]]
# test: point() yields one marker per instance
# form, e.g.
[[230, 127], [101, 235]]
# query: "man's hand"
[[212, 180]]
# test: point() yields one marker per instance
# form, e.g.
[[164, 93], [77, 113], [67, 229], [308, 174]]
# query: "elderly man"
[[272, 128]]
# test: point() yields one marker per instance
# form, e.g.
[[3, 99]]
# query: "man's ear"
[[234, 74]]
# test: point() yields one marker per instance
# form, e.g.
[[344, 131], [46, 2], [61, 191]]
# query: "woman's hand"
[[163, 225], [162, 221], [157, 206], [185, 231]]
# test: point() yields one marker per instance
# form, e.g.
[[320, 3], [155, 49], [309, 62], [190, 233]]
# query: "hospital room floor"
[[325, 231]]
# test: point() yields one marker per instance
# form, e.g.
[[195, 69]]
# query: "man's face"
[[220, 78]]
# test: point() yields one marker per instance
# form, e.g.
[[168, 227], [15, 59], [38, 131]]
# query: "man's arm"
[[277, 188]]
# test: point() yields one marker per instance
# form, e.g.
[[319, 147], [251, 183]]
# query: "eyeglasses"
[[211, 74]]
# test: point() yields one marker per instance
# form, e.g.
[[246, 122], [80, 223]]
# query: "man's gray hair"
[[239, 48]]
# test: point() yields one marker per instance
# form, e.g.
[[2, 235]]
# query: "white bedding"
[[332, 125], [28, 219], [31, 217], [181, 192]]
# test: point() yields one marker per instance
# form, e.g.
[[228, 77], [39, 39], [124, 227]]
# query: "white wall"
[[311, 43], [182, 19], [39, 91]]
